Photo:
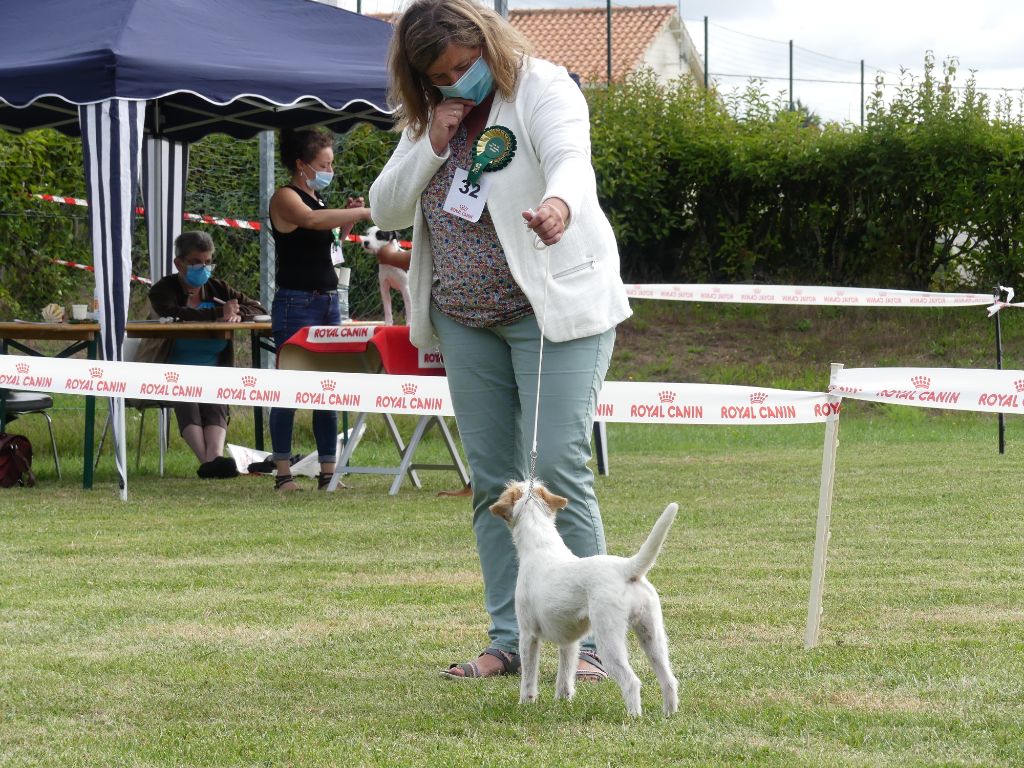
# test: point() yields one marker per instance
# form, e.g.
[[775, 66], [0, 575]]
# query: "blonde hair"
[[424, 31]]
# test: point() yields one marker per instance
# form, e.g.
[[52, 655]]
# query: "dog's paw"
[[565, 693], [671, 699]]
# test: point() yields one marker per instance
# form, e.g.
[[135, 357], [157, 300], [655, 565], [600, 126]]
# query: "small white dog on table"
[[560, 597], [392, 267]]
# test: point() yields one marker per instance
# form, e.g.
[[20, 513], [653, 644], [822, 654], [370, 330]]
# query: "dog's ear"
[[553, 500], [506, 503]]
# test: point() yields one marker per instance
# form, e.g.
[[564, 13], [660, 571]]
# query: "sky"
[[750, 38], [984, 35]]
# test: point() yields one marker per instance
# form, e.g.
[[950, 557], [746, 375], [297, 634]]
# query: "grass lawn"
[[214, 623]]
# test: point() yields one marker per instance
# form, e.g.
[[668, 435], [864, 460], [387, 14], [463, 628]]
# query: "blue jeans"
[[293, 310], [492, 376]]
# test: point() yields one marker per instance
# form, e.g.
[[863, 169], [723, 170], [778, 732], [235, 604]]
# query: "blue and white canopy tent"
[[140, 79]]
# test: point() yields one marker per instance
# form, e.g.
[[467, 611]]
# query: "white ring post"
[[824, 532]]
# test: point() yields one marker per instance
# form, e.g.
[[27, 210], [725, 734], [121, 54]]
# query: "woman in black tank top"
[[307, 284]]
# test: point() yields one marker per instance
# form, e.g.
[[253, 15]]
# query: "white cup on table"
[[79, 311]]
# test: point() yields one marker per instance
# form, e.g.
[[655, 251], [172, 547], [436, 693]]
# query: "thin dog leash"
[[539, 245]]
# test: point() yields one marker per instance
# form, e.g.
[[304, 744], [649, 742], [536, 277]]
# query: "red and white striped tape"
[[649, 403], [806, 295], [89, 268], [220, 221]]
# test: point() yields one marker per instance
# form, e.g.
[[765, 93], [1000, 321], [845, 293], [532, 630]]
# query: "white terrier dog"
[[560, 597], [384, 245]]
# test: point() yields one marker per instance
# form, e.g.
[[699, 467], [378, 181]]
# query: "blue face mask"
[[320, 180], [475, 84], [197, 275]]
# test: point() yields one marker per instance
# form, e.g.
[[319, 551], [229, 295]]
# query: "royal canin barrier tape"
[[958, 389], [643, 402], [810, 295]]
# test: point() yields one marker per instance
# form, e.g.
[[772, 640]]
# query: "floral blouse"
[[472, 282]]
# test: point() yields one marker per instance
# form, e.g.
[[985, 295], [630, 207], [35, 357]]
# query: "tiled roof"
[[576, 37]]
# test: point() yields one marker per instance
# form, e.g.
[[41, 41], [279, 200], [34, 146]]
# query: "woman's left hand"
[[548, 222], [355, 202]]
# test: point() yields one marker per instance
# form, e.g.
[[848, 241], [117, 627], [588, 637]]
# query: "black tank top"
[[304, 255]]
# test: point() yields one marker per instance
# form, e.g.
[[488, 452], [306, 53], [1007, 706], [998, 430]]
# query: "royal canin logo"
[[799, 291], [667, 396], [170, 377], [757, 291], [842, 389], [327, 385], [1019, 385], [96, 373], [409, 389], [249, 381], [21, 368], [921, 382], [840, 293], [758, 397]]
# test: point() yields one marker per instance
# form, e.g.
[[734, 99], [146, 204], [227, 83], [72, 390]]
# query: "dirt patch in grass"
[[793, 346]]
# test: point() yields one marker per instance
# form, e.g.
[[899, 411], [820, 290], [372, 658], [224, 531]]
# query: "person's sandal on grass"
[[590, 669], [324, 479], [507, 664], [285, 483]]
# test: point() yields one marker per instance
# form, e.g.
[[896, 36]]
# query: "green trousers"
[[492, 376]]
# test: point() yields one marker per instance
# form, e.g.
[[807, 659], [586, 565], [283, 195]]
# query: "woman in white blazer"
[[493, 173]]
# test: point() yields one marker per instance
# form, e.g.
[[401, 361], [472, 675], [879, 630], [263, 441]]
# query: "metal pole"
[[705, 53], [862, 93], [501, 8], [791, 104], [268, 257], [608, 38]]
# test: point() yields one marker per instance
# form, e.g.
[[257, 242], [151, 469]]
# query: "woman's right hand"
[[445, 122]]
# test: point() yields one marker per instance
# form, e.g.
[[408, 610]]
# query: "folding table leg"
[[408, 452], [400, 445], [357, 431]]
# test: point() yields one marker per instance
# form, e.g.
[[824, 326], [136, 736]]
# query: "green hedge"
[[698, 188], [926, 194]]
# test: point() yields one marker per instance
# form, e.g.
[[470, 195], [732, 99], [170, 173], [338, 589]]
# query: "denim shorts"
[[293, 310]]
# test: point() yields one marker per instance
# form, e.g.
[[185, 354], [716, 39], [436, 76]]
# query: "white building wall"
[[672, 53]]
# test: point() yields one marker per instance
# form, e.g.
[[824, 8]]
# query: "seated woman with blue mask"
[[193, 294]]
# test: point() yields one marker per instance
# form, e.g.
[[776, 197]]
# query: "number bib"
[[337, 254], [466, 198]]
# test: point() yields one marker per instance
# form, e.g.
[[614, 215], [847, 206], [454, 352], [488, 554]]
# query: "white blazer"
[[549, 117]]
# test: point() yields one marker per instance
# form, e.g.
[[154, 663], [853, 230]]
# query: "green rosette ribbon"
[[493, 149]]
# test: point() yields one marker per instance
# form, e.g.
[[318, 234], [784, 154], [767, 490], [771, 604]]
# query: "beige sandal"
[[510, 664]]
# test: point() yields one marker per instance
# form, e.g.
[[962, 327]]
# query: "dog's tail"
[[639, 564]]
